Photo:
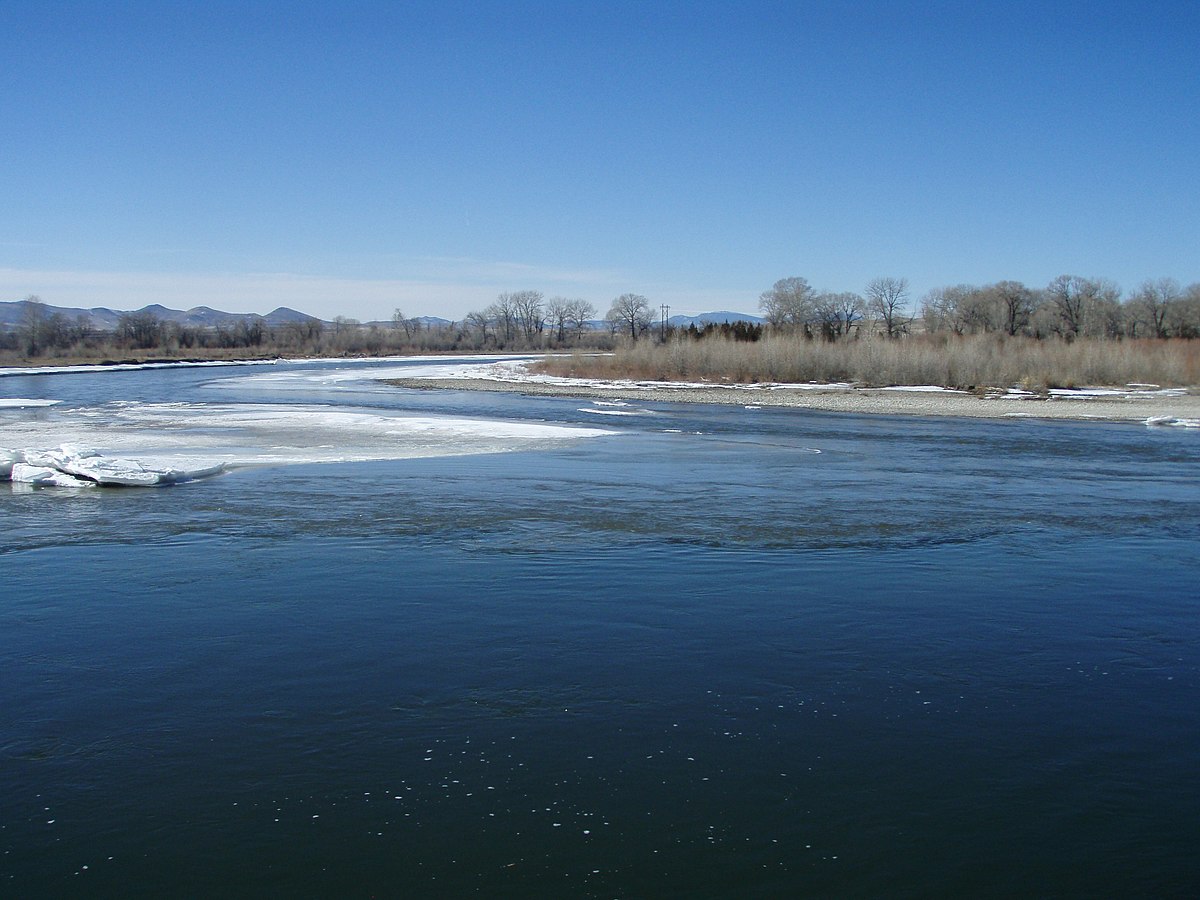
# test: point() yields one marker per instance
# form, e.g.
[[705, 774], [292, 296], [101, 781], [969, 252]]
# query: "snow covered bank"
[[515, 371]]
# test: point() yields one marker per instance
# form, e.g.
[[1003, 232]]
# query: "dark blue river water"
[[691, 657]]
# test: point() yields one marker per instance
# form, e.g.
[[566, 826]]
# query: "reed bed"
[[974, 362]]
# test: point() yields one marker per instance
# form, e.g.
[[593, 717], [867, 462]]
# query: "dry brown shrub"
[[964, 362]]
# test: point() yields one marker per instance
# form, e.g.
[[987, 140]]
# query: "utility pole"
[[662, 331]]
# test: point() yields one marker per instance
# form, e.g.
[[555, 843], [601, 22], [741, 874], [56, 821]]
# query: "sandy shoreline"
[[1132, 406]]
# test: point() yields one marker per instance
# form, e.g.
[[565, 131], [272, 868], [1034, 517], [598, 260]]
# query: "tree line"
[[53, 334], [526, 319], [517, 320], [1069, 307], [521, 320]]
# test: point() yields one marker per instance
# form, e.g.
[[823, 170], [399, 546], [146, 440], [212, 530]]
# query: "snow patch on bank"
[[1129, 392], [516, 371], [922, 389]]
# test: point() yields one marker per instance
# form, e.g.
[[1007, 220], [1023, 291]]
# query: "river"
[[439, 643]]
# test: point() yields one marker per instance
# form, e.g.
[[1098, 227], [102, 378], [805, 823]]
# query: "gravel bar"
[[1134, 406]]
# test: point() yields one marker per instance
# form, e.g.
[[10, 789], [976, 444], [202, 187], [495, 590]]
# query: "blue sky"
[[352, 158]]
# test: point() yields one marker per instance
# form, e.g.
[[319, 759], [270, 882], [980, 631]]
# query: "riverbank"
[[1133, 404]]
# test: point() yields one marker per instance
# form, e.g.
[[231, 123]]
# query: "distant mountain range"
[[13, 315], [714, 318]]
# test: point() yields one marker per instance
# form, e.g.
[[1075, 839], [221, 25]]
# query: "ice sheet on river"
[[149, 444]]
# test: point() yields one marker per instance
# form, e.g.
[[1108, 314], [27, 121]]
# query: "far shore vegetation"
[[964, 362], [1073, 332]]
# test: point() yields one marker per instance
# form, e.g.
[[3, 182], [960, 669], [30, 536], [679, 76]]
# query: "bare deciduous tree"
[[632, 312], [401, 322], [300, 334], [978, 312], [953, 309], [1154, 302], [1015, 303], [479, 322], [504, 313], [580, 314], [558, 314], [142, 329], [1064, 295], [529, 313], [33, 318], [791, 302], [937, 312], [850, 308], [886, 298], [1184, 317], [1070, 296], [837, 313], [568, 317], [1103, 314]]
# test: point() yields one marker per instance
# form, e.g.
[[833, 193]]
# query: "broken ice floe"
[[1173, 421], [45, 476], [23, 403], [603, 410], [76, 467]]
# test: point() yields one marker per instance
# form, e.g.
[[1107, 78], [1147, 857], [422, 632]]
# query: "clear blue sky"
[[351, 158]]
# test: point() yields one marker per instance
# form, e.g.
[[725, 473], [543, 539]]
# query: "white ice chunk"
[[110, 470], [7, 459], [20, 403], [1173, 420], [616, 412], [45, 476], [135, 473], [75, 462], [42, 458]]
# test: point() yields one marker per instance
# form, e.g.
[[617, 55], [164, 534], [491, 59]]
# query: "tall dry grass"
[[964, 362]]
